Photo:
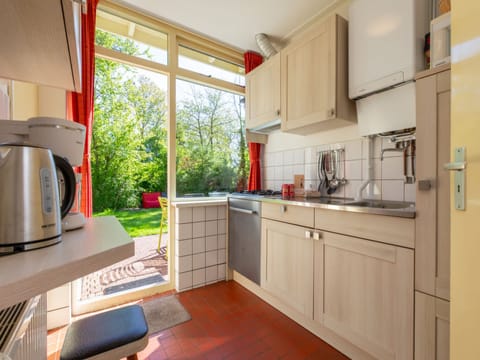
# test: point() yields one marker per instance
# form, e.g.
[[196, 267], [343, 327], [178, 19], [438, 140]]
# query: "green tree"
[[129, 133], [208, 151]]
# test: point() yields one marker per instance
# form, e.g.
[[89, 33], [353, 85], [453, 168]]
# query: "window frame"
[[176, 36]]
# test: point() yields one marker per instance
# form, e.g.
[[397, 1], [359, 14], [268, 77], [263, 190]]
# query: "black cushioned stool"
[[113, 334]]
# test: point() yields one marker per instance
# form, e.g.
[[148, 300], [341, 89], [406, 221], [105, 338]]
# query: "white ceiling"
[[235, 23]]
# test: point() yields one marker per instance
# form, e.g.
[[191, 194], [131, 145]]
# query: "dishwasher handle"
[[244, 211]]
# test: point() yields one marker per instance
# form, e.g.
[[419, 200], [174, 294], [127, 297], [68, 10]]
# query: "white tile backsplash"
[[353, 169], [410, 190], [353, 150], [392, 190], [310, 155], [299, 157], [278, 168], [278, 159], [288, 157], [288, 174]]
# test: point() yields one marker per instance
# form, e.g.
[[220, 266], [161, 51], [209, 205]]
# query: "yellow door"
[[465, 225]]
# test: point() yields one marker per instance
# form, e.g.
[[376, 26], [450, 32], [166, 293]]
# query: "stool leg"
[[132, 357]]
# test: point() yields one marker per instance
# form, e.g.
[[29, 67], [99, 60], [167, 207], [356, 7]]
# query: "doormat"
[[163, 313]]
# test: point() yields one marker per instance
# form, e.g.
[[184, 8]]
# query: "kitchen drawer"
[[388, 229], [298, 215]]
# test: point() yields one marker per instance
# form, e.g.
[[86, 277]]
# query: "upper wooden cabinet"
[[314, 69], [263, 94], [432, 225], [40, 42]]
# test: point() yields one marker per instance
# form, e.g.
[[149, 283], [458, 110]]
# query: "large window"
[[207, 154], [211, 148]]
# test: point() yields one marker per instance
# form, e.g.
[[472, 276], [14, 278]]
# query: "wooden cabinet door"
[[308, 77], [368, 295], [263, 93], [287, 264], [432, 328], [432, 222]]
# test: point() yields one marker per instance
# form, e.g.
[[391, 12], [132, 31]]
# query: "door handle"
[[243, 211], [459, 166], [455, 166]]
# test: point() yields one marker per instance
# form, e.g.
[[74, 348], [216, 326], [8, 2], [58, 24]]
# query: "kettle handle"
[[70, 184]]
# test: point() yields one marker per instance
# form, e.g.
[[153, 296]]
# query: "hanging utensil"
[[319, 171], [335, 165]]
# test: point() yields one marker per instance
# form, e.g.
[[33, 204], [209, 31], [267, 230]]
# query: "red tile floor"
[[228, 322]]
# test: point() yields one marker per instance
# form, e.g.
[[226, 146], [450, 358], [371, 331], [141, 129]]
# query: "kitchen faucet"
[[400, 149]]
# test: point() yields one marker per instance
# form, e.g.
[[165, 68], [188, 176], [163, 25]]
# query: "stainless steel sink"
[[379, 204]]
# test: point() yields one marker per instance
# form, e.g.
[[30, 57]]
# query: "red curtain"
[[80, 105], [252, 60], [254, 179]]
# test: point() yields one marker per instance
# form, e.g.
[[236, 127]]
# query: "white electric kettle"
[[30, 215]]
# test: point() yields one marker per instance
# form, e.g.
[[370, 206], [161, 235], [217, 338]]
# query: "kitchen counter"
[[378, 207], [102, 242]]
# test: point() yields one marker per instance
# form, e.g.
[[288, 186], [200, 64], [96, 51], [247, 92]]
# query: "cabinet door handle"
[[317, 235], [278, 112], [424, 185], [331, 113], [283, 209], [308, 234]]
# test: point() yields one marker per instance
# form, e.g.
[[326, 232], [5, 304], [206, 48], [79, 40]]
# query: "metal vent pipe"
[[265, 45]]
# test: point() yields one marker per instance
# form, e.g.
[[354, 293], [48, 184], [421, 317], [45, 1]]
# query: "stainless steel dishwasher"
[[244, 235]]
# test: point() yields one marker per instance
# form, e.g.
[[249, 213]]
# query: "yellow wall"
[[465, 229], [30, 100], [24, 100]]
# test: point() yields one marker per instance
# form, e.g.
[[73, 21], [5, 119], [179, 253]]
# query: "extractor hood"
[[267, 127]]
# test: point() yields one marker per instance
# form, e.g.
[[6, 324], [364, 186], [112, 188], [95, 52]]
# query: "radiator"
[[23, 330]]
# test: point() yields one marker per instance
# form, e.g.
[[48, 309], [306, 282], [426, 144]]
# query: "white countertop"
[[194, 202], [102, 242]]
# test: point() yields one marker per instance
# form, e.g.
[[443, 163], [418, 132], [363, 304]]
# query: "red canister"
[[285, 190]]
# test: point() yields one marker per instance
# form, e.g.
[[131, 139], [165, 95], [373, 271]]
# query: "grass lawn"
[[137, 222]]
